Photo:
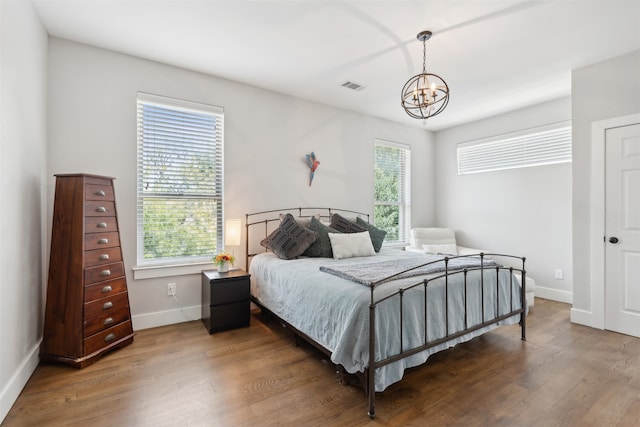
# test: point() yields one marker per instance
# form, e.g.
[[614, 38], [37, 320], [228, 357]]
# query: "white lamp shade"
[[232, 231]]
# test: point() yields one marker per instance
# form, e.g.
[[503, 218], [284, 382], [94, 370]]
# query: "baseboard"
[[16, 383], [168, 317], [582, 317], [554, 294]]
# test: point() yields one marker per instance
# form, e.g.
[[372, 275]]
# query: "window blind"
[[534, 147], [392, 204], [180, 180]]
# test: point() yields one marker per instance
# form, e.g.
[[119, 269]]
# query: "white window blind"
[[180, 180], [392, 204], [534, 147]]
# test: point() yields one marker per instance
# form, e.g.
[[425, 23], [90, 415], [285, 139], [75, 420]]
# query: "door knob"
[[613, 240]]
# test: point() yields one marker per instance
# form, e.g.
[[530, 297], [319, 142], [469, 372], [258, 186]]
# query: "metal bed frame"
[[368, 377]]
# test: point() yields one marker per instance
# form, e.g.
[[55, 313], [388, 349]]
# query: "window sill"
[[151, 272]]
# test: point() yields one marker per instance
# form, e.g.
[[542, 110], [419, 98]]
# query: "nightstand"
[[225, 300]]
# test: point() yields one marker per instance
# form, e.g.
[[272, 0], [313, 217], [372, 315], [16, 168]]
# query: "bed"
[[376, 316]]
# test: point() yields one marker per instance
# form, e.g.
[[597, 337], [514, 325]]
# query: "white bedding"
[[335, 312]]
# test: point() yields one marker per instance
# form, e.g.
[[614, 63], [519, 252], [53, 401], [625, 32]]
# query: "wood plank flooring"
[[178, 375]]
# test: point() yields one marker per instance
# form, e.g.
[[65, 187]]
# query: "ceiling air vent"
[[353, 86]]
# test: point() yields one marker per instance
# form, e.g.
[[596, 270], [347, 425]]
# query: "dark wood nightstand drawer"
[[229, 316], [230, 291]]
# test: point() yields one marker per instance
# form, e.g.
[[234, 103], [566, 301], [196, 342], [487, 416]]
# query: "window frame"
[[158, 267], [404, 200]]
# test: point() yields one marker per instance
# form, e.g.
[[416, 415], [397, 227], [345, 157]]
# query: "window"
[[392, 183], [180, 181], [543, 145]]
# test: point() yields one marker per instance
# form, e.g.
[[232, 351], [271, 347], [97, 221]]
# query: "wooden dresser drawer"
[[104, 338], [101, 273], [99, 208], [104, 289], [97, 224], [106, 320], [101, 240], [99, 192], [102, 256], [105, 306]]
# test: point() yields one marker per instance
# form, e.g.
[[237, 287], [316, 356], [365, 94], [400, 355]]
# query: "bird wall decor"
[[313, 163]]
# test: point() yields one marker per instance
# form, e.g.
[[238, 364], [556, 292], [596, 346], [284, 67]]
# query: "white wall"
[[605, 90], [23, 55], [526, 212], [92, 129]]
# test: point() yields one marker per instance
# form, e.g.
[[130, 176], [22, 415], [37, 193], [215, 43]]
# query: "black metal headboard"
[[271, 219]]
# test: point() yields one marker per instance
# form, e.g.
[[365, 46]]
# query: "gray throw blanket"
[[370, 274]]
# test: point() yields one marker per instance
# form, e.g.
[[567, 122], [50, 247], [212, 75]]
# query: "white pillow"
[[441, 249], [348, 245]]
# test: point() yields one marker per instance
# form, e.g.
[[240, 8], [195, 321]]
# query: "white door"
[[622, 228]]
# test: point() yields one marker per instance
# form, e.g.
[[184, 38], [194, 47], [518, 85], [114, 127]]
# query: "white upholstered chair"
[[443, 240]]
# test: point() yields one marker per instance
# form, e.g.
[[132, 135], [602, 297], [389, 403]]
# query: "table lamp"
[[232, 231]]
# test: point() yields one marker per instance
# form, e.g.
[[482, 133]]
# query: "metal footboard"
[[488, 319]]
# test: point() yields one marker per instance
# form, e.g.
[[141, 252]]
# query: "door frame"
[[597, 212]]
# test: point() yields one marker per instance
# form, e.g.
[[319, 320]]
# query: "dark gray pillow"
[[340, 223], [377, 234], [321, 248], [290, 239]]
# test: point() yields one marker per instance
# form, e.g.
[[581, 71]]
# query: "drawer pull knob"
[[101, 209], [102, 225], [107, 305], [103, 241], [106, 289], [103, 257], [105, 273], [100, 193], [108, 321], [110, 337]]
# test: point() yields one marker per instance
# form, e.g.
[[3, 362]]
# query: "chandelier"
[[425, 95]]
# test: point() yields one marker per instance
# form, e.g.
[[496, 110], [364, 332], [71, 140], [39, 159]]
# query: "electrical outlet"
[[559, 274], [171, 289]]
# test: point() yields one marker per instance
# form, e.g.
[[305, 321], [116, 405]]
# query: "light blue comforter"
[[335, 311]]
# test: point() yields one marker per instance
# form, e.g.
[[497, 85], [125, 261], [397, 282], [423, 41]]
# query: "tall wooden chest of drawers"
[[87, 311]]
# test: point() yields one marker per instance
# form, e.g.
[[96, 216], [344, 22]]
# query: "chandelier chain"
[[424, 56]]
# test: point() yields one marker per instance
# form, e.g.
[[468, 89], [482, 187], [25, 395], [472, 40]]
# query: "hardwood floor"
[[178, 375]]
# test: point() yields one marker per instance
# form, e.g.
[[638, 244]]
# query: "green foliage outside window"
[[390, 190], [174, 228], [386, 216]]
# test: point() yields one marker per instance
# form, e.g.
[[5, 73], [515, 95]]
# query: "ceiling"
[[495, 55]]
